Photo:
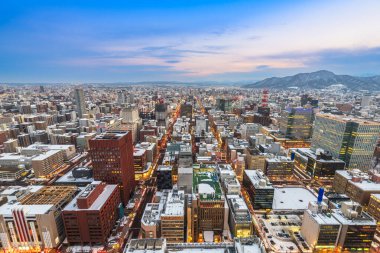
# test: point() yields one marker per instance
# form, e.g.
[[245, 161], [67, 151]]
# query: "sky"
[[185, 40]]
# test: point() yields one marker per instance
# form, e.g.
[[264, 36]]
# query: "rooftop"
[[52, 195], [362, 219], [175, 203], [111, 135], [344, 118], [258, 179], [292, 198], [29, 210], [206, 183], [45, 155], [98, 203], [279, 159]]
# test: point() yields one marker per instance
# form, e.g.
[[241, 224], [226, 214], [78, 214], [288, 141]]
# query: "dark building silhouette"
[[164, 177]]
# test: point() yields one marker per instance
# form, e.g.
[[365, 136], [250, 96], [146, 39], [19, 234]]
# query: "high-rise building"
[[79, 102], [374, 206], [318, 165], [349, 139], [279, 168], [131, 120], [10, 146], [261, 191], [24, 140], [45, 164], [90, 217], [186, 110], [296, 123], [201, 125], [208, 210], [224, 104], [140, 163], [112, 160], [366, 100], [120, 97]]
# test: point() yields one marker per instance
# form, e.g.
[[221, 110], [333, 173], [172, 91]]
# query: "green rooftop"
[[206, 183]]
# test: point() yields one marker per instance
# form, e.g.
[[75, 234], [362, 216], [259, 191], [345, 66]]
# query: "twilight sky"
[[185, 40]]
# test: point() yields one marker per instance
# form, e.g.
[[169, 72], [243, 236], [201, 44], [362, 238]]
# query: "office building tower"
[[374, 206], [208, 210], [112, 160], [139, 163], [349, 139], [296, 123], [80, 102], [224, 104], [90, 217], [201, 125], [186, 110], [45, 164], [366, 100], [261, 119], [161, 111], [185, 179], [131, 120], [374, 211], [260, 190], [318, 165], [279, 168], [120, 97]]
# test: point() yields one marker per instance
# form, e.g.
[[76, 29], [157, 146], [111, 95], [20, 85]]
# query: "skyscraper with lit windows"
[[112, 160], [352, 140]]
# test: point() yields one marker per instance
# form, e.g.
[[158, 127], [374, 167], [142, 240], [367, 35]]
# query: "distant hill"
[[318, 80]]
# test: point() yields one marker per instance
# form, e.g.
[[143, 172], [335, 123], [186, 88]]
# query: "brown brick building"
[[112, 160], [90, 217]]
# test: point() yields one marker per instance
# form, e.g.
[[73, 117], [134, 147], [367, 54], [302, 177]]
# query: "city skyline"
[[80, 41]]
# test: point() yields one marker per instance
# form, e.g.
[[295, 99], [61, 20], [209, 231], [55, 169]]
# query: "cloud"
[[313, 35]]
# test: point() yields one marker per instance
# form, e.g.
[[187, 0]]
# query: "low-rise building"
[[240, 220], [33, 220], [346, 229], [357, 185]]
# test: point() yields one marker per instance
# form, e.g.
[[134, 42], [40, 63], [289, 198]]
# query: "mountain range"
[[318, 80]]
